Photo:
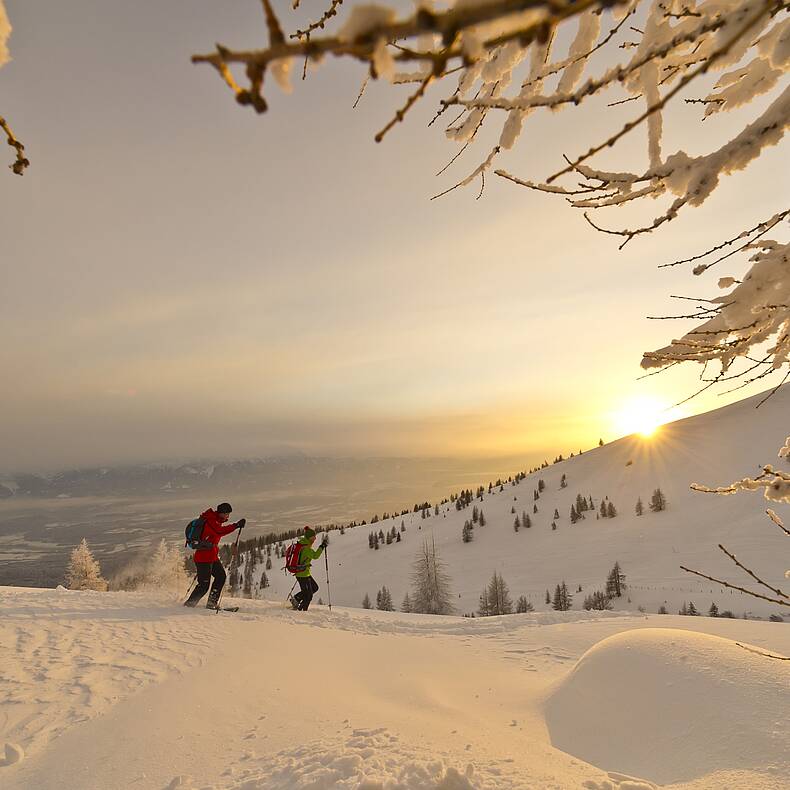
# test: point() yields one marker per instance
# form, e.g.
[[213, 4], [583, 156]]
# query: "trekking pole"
[[234, 554], [288, 597], [328, 589], [191, 585]]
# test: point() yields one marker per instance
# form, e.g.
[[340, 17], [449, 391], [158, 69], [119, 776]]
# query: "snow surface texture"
[[67, 657], [713, 448], [111, 690]]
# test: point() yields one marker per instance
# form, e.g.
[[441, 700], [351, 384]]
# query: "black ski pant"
[[205, 570], [307, 589]]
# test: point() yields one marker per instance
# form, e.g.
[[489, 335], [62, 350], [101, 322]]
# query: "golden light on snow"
[[643, 415]]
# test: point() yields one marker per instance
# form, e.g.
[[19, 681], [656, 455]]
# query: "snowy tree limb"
[[774, 590], [21, 161], [735, 587]]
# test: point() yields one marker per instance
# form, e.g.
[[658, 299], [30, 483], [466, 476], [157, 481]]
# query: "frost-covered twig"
[[321, 23], [752, 19], [735, 587], [368, 25], [21, 161], [774, 590], [761, 226], [778, 521]]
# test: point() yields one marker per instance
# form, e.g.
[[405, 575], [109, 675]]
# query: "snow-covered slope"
[[129, 690], [714, 448]]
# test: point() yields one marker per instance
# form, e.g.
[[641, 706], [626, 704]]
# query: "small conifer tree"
[[523, 605], [598, 601], [640, 508], [615, 582], [658, 501], [366, 602], [83, 571], [384, 600]]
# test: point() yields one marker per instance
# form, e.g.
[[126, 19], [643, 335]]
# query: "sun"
[[641, 415]]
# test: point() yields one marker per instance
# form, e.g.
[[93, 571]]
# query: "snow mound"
[[673, 705], [368, 759], [13, 754]]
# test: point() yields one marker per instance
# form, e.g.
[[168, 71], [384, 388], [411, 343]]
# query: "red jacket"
[[213, 531]]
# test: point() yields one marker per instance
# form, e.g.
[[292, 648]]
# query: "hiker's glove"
[[240, 523]]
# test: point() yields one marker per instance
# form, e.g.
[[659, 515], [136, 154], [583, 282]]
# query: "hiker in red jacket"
[[207, 557]]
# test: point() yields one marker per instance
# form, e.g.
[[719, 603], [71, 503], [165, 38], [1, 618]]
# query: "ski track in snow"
[[67, 656]]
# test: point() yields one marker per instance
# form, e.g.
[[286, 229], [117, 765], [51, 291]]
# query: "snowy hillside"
[[130, 690], [714, 448]]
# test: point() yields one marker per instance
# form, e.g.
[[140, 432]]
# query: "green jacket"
[[306, 557]]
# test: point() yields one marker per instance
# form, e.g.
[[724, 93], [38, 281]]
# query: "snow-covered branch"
[[509, 67], [776, 488], [21, 161]]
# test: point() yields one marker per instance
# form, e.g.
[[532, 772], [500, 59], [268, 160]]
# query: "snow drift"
[[672, 705]]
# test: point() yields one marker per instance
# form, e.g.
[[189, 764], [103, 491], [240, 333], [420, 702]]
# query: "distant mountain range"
[[224, 478]]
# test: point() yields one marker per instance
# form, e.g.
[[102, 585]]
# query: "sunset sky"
[[180, 277]]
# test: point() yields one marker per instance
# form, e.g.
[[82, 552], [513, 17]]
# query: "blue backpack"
[[194, 534]]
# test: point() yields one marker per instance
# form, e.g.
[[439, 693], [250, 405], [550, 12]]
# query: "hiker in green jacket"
[[307, 584]]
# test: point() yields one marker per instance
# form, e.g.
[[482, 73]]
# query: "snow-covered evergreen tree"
[[658, 501], [166, 569], [366, 602], [431, 592], [406, 605], [83, 571], [640, 508]]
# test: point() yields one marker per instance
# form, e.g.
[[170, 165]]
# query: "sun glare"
[[643, 416]]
